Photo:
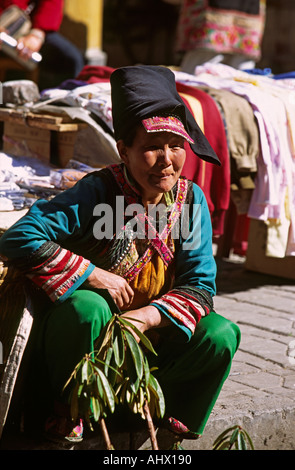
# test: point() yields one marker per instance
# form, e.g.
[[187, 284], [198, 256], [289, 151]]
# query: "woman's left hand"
[[28, 44]]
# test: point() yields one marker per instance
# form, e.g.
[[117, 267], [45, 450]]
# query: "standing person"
[[60, 58], [82, 244], [226, 31]]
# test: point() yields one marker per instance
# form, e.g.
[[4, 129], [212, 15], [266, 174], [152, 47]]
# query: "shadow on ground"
[[233, 277]]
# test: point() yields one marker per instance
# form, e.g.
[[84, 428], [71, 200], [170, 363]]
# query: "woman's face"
[[155, 160]]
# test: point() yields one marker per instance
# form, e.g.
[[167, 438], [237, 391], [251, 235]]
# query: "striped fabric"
[[59, 273], [183, 307]]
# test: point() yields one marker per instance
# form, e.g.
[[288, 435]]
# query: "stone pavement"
[[260, 391], [259, 394]]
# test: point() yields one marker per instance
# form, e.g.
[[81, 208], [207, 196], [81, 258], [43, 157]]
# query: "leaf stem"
[[105, 434], [150, 425]]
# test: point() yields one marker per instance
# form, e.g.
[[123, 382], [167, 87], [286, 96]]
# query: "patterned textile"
[[169, 124], [59, 271], [225, 27]]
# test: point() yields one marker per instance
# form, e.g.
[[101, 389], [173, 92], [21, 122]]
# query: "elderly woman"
[[135, 237]]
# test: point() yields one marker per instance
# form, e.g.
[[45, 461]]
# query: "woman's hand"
[[146, 319], [117, 286], [30, 43]]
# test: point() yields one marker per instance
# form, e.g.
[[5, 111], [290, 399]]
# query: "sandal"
[[60, 429], [178, 428]]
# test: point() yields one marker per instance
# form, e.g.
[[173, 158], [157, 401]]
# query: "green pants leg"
[[61, 336], [192, 374], [69, 333]]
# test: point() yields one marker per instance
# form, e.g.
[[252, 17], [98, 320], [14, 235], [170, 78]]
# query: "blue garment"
[[68, 221], [192, 371]]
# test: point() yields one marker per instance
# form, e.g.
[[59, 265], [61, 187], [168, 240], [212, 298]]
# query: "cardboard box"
[[257, 261]]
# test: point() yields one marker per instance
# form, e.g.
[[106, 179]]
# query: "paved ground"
[[259, 393]]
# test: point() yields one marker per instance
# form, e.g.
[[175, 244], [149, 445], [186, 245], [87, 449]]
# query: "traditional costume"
[[166, 258]]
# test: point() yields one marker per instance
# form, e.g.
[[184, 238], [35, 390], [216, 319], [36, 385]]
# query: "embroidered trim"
[[158, 242], [60, 273], [166, 124]]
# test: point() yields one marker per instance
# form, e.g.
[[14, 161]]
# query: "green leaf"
[[238, 439], [121, 390], [95, 408], [105, 336], [131, 371], [84, 372], [74, 374], [160, 402], [241, 444], [224, 446], [118, 345], [234, 436], [146, 369], [145, 341], [129, 396], [109, 393], [224, 433], [249, 439], [100, 389], [136, 353], [80, 389], [107, 361]]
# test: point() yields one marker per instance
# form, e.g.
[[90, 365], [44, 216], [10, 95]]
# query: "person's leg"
[[61, 60], [70, 332], [60, 338], [192, 374]]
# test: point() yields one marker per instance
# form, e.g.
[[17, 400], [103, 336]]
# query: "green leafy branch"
[[136, 385], [235, 438], [117, 372], [91, 394]]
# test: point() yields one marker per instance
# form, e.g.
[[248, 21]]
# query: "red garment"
[[95, 74], [47, 14], [213, 180]]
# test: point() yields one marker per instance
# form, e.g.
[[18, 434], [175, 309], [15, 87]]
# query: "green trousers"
[[191, 374]]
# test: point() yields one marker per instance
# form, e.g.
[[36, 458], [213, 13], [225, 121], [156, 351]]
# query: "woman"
[[139, 236]]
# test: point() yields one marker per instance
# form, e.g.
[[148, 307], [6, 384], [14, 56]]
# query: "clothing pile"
[[259, 121], [23, 180]]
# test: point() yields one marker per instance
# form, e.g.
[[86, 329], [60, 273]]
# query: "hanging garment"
[[275, 163], [215, 182], [222, 26]]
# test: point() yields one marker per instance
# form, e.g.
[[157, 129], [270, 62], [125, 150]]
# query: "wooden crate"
[[51, 138], [22, 140]]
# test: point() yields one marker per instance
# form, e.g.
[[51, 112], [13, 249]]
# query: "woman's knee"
[[89, 306], [226, 336], [84, 309], [222, 334]]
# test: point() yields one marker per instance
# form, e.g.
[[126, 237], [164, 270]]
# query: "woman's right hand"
[[117, 286]]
